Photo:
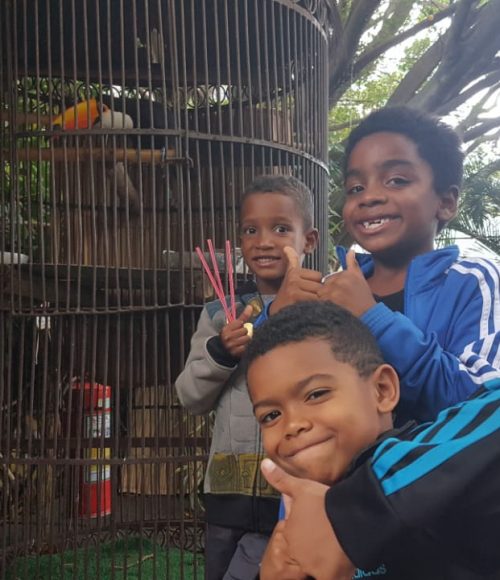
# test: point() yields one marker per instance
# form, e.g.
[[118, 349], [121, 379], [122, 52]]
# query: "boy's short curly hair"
[[437, 143], [350, 340], [286, 185]]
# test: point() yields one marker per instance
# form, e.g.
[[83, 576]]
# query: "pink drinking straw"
[[216, 270], [216, 285], [230, 273], [215, 266]]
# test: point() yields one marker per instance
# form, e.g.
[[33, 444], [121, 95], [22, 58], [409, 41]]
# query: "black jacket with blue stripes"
[[424, 501]]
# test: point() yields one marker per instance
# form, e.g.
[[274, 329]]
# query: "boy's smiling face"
[[269, 222], [316, 413], [391, 207]]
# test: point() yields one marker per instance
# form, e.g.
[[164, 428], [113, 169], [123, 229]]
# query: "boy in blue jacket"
[[436, 317]]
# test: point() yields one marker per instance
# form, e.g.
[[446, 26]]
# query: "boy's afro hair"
[[437, 143]]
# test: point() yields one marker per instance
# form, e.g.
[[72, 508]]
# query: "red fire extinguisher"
[[95, 486]]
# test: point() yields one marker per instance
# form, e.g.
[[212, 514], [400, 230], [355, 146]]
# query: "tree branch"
[[466, 57], [335, 16], [371, 54], [458, 25], [473, 117], [342, 56], [481, 128], [419, 74], [450, 104]]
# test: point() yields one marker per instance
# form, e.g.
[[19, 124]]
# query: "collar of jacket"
[[429, 265], [369, 451], [246, 288]]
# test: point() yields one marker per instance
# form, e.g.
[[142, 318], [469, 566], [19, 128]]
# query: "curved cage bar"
[[128, 130]]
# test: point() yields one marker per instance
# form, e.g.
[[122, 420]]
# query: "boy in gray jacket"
[[241, 508]]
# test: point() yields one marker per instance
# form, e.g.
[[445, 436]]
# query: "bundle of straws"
[[215, 279]]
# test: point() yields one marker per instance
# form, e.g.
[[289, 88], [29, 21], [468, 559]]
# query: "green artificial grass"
[[121, 560]]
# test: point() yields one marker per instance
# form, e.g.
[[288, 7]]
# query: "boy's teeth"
[[375, 223]]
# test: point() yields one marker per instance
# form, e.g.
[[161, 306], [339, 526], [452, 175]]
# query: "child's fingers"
[[241, 340], [237, 335], [292, 257], [246, 314], [238, 352], [312, 286], [237, 323], [287, 502], [287, 484], [352, 263], [311, 275]]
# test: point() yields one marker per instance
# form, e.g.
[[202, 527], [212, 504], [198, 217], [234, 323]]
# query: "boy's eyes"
[[398, 181], [269, 417], [280, 229], [353, 189], [313, 396], [317, 394]]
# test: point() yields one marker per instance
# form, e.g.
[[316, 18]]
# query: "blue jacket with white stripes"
[[447, 343], [424, 502]]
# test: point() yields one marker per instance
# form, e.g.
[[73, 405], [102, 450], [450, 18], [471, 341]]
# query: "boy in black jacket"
[[323, 397]]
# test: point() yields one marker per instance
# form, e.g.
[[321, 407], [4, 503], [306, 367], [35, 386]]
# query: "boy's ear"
[[386, 382], [448, 206], [312, 239]]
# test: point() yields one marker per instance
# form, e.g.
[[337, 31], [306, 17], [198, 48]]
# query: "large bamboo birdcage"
[[100, 291]]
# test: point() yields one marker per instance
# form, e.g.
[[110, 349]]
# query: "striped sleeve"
[[411, 482], [454, 355], [398, 464], [481, 357]]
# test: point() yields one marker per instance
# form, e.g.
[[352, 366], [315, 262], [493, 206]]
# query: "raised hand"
[[299, 283], [348, 288], [277, 564], [310, 538], [235, 336]]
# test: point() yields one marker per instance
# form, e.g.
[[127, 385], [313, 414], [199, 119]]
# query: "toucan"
[[144, 114], [89, 114]]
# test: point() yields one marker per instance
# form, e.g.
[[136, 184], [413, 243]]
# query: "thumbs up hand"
[[299, 283], [309, 535], [292, 257], [348, 288], [277, 563]]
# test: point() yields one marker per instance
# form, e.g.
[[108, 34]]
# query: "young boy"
[[436, 317], [241, 511], [323, 397]]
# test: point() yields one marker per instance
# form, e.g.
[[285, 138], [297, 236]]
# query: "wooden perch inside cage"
[[71, 154], [22, 118]]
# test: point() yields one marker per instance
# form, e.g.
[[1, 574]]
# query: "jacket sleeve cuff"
[[377, 318], [216, 350], [363, 520]]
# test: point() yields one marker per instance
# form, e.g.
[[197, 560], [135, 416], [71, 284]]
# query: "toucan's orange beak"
[[81, 116]]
